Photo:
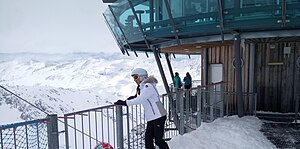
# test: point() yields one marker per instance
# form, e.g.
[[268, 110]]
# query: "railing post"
[[198, 106], [66, 132], [212, 99], [296, 109], [1, 137], [255, 102], [119, 125], [222, 100], [204, 105], [181, 119], [38, 136], [187, 104], [52, 131]]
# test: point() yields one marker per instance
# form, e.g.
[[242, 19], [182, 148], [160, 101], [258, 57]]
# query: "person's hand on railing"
[[120, 103]]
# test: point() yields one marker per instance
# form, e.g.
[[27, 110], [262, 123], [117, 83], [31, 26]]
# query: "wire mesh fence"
[[29, 134]]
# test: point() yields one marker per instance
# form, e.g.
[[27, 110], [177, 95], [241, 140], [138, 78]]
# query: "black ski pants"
[[155, 130]]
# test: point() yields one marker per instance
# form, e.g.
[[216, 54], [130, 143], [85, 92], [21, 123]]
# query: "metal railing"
[[124, 127], [39, 133], [29, 134], [195, 83], [120, 126], [185, 113], [85, 128], [206, 103]]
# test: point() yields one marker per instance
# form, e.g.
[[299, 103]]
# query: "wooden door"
[[275, 69]]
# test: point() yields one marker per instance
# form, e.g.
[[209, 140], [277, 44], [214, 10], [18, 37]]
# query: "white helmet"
[[142, 73]]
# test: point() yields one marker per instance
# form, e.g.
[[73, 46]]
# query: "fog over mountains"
[[62, 83]]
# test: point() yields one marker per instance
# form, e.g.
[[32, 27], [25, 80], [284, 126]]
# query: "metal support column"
[[251, 78], [238, 74], [204, 81], [174, 30], [119, 125], [220, 12], [161, 70], [52, 131], [169, 65], [204, 57], [151, 6], [297, 84]]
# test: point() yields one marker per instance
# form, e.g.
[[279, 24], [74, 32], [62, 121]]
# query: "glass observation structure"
[[137, 25]]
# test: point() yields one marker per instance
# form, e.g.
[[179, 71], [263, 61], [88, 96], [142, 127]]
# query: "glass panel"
[[192, 7], [293, 13], [114, 27], [142, 10], [257, 3], [247, 14], [197, 12], [160, 10], [176, 8], [293, 7], [227, 4], [126, 19]]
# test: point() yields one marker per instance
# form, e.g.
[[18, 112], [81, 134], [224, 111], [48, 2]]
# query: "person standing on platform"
[[187, 81], [155, 113], [177, 81]]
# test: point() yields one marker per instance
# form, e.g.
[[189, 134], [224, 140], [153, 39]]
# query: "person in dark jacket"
[[187, 81], [155, 113]]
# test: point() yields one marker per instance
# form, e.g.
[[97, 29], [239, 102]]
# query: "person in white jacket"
[[155, 114]]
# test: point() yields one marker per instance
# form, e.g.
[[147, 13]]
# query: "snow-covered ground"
[[66, 83], [225, 133]]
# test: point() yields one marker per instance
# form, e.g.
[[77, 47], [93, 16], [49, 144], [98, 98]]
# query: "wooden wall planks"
[[274, 84]]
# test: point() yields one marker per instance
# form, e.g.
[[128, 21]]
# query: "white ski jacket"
[[149, 98]]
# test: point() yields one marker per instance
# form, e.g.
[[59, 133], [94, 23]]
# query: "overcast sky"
[[54, 26]]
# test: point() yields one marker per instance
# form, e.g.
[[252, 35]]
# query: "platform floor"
[[283, 135]]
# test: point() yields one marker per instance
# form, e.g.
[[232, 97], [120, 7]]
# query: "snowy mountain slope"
[[65, 83], [49, 99]]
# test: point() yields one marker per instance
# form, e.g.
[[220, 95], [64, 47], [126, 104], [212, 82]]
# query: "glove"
[[120, 102]]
